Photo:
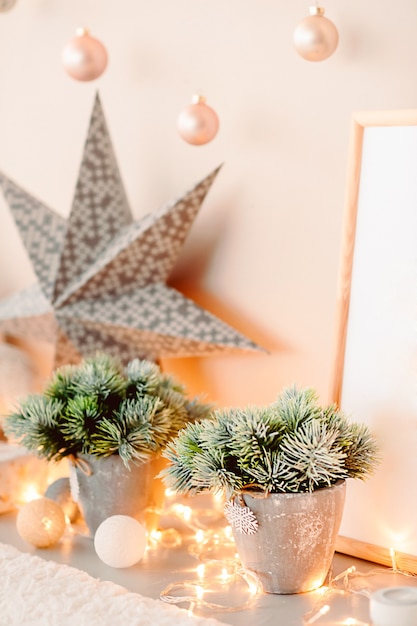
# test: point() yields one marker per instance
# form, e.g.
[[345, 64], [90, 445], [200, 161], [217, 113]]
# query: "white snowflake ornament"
[[240, 517]]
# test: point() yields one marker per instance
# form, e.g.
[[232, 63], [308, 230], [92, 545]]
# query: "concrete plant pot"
[[106, 487], [293, 547]]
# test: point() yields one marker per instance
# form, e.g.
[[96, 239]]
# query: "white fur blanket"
[[35, 592]]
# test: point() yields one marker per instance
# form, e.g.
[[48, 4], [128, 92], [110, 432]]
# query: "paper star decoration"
[[101, 275]]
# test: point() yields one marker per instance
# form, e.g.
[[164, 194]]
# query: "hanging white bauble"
[[6, 5], [198, 122], [84, 57], [316, 37], [120, 541]]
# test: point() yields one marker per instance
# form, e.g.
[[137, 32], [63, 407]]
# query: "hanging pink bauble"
[[84, 57], [316, 37], [198, 122], [6, 5]]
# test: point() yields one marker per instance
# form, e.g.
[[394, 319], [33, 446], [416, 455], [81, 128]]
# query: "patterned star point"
[[101, 274]]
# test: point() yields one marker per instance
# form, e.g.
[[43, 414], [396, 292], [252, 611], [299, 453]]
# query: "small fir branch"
[[82, 414], [63, 384], [168, 382], [175, 402], [101, 378], [362, 454], [37, 426], [213, 471], [312, 453], [272, 474], [142, 378], [181, 453], [295, 406], [254, 430], [217, 430], [197, 409]]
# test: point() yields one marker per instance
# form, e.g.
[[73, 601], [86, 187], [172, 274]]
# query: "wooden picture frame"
[[375, 368]]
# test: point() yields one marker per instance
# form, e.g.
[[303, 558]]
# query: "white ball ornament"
[[84, 57], [198, 123], [41, 522], [316, 37], [120, 541]]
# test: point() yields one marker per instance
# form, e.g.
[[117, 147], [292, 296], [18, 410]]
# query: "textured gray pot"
[[293, 548], [113, 489]]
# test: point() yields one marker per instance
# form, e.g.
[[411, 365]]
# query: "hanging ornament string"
[[82, 464]]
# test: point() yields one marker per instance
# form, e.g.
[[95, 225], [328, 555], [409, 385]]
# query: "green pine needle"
[[100, 408], [293, 445]]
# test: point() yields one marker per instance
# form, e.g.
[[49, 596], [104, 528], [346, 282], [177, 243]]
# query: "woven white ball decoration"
[[120, 541], [41, 522]]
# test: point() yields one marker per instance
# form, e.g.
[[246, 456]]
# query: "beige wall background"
[[264, 251]]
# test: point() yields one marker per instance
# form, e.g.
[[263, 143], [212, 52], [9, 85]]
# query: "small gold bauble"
[[41, 522]]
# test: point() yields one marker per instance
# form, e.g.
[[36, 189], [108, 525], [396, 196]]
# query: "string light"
[[393, 559], [208, 583], [219, 573], [345, 574], [363, 587], [218, 570], [167, 538], [321, 611], [29, 493], [183, 512]]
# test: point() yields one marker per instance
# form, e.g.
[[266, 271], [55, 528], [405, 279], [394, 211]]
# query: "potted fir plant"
[[112, 423], [283, 468]]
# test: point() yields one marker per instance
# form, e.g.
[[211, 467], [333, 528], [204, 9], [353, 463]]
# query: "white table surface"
[[150, 576]]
